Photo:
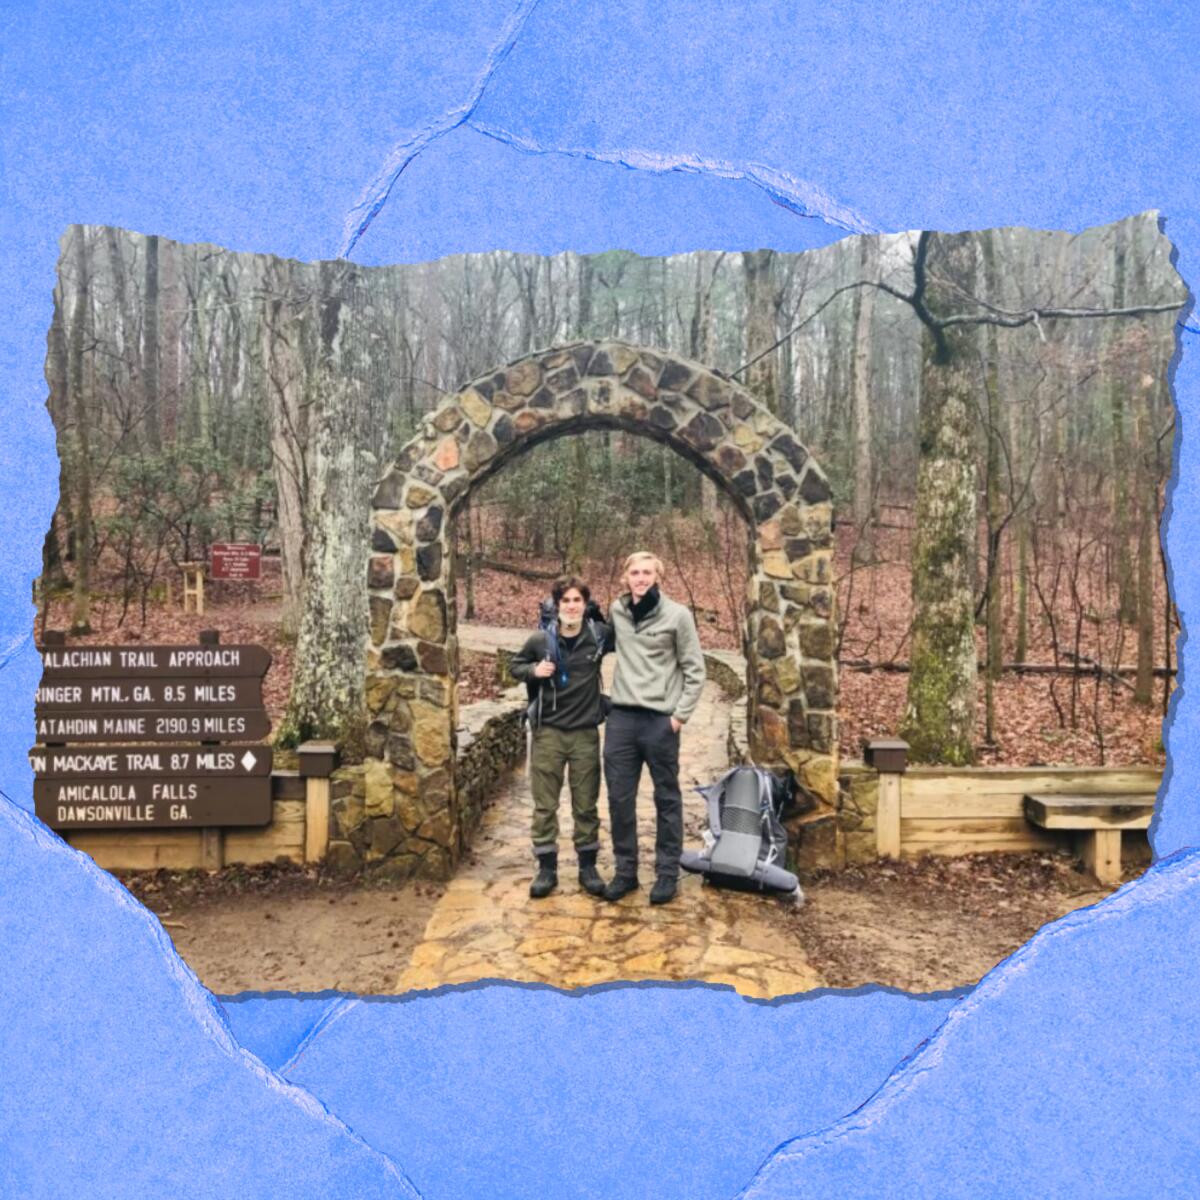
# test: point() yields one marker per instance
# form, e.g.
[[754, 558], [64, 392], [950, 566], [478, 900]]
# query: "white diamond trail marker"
[[248, 760]]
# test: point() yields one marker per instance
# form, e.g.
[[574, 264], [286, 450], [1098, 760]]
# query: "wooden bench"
[[1097, 821]]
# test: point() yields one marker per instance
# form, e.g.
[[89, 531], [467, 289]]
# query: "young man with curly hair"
[[563, 666]]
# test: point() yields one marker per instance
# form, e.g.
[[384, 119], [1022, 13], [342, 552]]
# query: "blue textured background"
[[1071, 1070]]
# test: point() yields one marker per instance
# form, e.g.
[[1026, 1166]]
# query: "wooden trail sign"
[[140, 662], [153, 725], [83, 694], [121, 762], [211, 693], [111, 694], [152, 787], [152, 803], [236, 560]]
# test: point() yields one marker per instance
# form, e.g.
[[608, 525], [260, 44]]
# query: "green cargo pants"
[[553, 751]]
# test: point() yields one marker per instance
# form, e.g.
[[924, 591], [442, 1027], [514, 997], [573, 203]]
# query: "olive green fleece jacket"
[[660, 665]]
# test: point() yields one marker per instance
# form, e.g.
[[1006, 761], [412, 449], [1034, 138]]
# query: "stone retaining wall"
[[398, 840], [486, 755]]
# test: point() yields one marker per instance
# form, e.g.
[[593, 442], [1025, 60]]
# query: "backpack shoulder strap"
[[597, 641]]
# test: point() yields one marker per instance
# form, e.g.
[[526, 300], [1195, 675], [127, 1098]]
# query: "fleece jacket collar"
[[641, 609]]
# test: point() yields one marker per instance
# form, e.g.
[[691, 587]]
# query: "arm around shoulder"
[[608, 637]]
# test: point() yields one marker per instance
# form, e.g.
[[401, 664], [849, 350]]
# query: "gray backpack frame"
[[745, 845]]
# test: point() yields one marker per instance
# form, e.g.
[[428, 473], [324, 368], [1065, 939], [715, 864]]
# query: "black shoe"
[[621, 885], [546, 879], [664, 889], [589, 877]]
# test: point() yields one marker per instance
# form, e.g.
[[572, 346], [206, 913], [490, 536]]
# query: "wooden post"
[[1101, 854], [193, 586], [318, 761], [212, 848], [54, 637], [212, 837], [887, 816], [889, 756]]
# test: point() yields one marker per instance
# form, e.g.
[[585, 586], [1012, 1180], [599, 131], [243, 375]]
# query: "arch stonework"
[[412, 658]]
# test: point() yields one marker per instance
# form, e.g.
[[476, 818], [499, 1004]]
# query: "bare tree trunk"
[[464, 521], [1147, 531], [327, 697], [1021, 650], [81, 465], [702, 336], [284, 373], [587, 276], [863, 473], [995, 501], [761, 377], [1021, 453], [1153, 374], [54, 576], [939, 718], [1120, 460], [582, 482], [131, 350], [150, 347], [171, 325]]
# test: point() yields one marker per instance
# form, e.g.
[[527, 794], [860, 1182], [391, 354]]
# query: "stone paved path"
[[486, 927]]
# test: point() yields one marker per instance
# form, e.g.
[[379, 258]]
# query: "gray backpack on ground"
[[745, 844]]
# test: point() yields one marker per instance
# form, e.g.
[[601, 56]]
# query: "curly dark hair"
[[565, 583]]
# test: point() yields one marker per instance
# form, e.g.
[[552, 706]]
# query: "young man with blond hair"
[[659, 677]]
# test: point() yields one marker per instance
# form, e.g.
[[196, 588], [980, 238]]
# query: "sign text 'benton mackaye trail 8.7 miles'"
[[97, 694], [101, 787]]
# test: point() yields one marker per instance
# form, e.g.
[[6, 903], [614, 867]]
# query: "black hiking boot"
[[546, 879], [621, 885], [664, 889], [589, 877]]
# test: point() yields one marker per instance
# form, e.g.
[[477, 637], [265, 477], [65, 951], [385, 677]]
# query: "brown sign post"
[[158, 694]]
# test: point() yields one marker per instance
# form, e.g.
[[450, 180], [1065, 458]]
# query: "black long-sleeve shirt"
[[575, 705]]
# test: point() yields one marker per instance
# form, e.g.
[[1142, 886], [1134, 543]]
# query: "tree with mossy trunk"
[[939, 718], [327, 698]]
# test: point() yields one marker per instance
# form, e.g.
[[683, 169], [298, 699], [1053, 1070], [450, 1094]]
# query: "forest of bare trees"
[[992, 409]]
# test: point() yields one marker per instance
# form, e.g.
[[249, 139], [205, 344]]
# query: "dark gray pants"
[[632, 739]]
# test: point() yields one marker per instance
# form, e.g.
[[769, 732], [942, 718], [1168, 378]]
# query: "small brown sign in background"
[[235, 560]]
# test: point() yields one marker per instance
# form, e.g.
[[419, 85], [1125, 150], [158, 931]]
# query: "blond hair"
[[641, 556]]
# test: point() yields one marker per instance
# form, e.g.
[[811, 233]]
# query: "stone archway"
[[412, 659]]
